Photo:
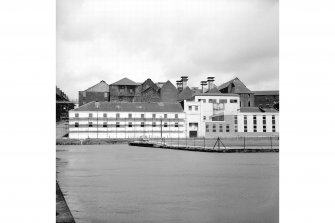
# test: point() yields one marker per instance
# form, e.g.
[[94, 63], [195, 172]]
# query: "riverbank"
[[67, 141], [63, 213]]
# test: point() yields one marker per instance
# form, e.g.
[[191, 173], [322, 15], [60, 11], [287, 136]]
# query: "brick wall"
[[92, 96]]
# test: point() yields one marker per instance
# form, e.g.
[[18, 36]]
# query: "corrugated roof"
[[266, 92], [125, 81], [102, 86], [240, 88], [256, 110], [131, 107]]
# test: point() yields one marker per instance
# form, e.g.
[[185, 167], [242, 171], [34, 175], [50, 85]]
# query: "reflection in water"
[[118, 183]]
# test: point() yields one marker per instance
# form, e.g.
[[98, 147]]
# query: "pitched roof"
[[213, 90], [256, 110], [149, 83], [215, 94], [125, 81], [185, 94], [240, 88], [266, 92], [131, 107], [102, 86]]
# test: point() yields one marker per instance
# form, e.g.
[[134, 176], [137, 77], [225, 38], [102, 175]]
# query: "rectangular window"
[[235, 119], [214, 128], [105, 115], [165, 124], [90, 115], [90, 124], [176, 124], [130, 115], [76, 124], [153, 115], [211, 101], [220, 128], [104, 125], [84, 94], [273, 128], [245, 120], [233, 101], [76, 115], [130, 124], [273, 120], [264, 128], [207, 128], [106, 94], [196, 108], [255, 128], [264, 120], [117, 124], [204, 117], [142, 124], [154, 124], [176, 116], [190, 108], [223, 101], [255, 123], [142, 115], [236, 128], [227, 128], [117, 115], [165, 115], [245, 129]]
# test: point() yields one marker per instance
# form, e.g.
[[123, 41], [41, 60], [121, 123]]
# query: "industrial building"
[[266, 99], [127, 120]]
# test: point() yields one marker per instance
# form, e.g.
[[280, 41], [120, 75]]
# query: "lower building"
[[127, 120], [266, 99]]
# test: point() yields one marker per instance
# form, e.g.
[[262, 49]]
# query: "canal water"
[[119, 183]]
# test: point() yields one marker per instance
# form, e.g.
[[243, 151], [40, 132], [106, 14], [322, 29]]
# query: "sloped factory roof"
[[125, 81]]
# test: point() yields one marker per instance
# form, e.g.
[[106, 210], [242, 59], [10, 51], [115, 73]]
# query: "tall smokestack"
[[179, 85], [184, 80], [210, 81], [203, 83]]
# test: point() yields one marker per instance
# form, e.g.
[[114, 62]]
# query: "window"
[[245, 128], [264, 120], [117, 124], [153, 115], [142, 124], [130, 115], [90, 124], [214, 128], [255, 128], [203, 100], [76, 124], [223, 101], [130, 124], [154, 124], [235, 119], [190, 108], [142, 115], [117, 115], [176, 124], [255, 122], [90, 115], [105, 94], [165, 115], [104, 125], [273, 120], [227, 128], [273, 128], [245, 123], [236, 128], [204, 117], [221, 128], [105, 115], [76, 115], [233, 101], [207, 128], [176, 116], [165, 124], [212, 100], [264, 128], [84, 94], [196, 108]]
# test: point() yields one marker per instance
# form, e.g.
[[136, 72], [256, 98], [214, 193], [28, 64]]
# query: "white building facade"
[[127, 120]]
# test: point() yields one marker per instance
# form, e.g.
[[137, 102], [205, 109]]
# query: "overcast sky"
[[165, 39]]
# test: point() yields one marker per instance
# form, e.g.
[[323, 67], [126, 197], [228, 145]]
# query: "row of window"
[[196, 108], [220, 101], [105, 94], [220, 128], [130, 115], [130, 124], [255, 123]]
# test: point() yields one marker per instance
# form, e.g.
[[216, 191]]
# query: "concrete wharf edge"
[[203, 149], [63, 213]]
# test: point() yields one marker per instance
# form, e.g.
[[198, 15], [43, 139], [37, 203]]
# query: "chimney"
[[184, 80], [203, 83], [179, 85], [210, 81]]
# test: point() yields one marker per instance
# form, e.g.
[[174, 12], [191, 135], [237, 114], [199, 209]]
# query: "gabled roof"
[[102, 86], [256, 110], [213, 90], [168, 84], [185, 94], [131, 107], [125, 81], [240, 88], [148, 83], [266, 92]]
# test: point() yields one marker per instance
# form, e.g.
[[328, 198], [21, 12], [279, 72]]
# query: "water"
[[118, 183]]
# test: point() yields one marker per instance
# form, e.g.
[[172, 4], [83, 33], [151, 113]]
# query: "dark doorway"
[[193, 134]]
